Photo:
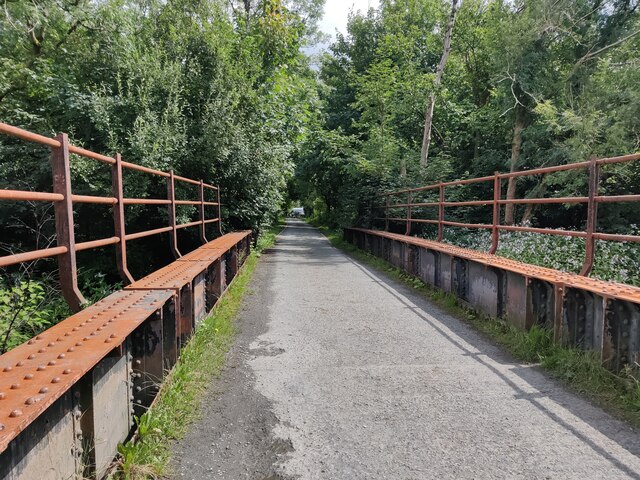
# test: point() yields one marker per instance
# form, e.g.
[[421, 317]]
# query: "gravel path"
[[341, 373]]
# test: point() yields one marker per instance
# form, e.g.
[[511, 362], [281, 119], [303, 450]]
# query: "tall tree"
[[428, 116]]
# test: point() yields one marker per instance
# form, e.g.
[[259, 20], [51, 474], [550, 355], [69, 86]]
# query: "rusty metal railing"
[[590, 234], [63, 199]]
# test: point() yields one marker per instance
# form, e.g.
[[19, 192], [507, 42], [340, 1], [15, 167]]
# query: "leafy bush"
[[28, 306], [23, 313], [615, 261]]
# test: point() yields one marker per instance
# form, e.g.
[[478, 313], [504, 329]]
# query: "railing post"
[[592, 216], [497, 195], [386, 213], [118, 219], [203, 237], [219, 210], [408, 230], [440, 211], [171, 195], [65, 234]]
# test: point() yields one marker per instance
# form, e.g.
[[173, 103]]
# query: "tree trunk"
[[537, 192], [403, 167], [428, 115], [476, 144], [528, 213], [516, 145]]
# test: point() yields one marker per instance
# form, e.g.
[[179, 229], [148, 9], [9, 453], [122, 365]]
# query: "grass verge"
[[177, 404], [581, 371]]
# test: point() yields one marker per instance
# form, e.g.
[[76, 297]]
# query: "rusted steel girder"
[[118, 220], [65, 236], [38, 372]]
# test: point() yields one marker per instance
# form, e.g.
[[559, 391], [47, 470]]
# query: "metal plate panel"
[[199, 298], [484, 289], [147, 361], [111, 410], [516, 300], [397, 254], [48, 449], [622, 334], [459, 279], [427, 266], [443, 272]]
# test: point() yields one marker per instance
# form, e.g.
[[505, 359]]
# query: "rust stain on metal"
[[228, 241], [174, 276], [35, 374], [208, 255]]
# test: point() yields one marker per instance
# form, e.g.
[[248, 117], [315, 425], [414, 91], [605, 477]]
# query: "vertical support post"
[[65, 234], [220, 210], [408, 230], [173, 235], [440, 212], [592, 216], [386, 213], [203, 237], [118, 220], [495, 231]]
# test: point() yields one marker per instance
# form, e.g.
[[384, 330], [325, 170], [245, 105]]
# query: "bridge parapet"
[[412, 199], [69, 396]]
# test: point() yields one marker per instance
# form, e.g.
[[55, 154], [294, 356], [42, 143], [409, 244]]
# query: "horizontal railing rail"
[[64, 199], [410, 200]]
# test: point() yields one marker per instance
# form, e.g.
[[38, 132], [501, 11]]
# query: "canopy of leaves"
[[568, 68]]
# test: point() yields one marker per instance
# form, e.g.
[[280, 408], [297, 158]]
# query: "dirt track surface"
[[341, 373]]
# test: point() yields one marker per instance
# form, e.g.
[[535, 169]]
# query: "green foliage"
[[28, 307], [21, 313], [563, 70], [615, 261]]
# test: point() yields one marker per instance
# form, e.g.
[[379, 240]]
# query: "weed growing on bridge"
[[581, 371], [177, 404], [29, 305]]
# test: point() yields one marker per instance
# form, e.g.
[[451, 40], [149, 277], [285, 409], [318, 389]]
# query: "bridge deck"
[[340, 372]]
